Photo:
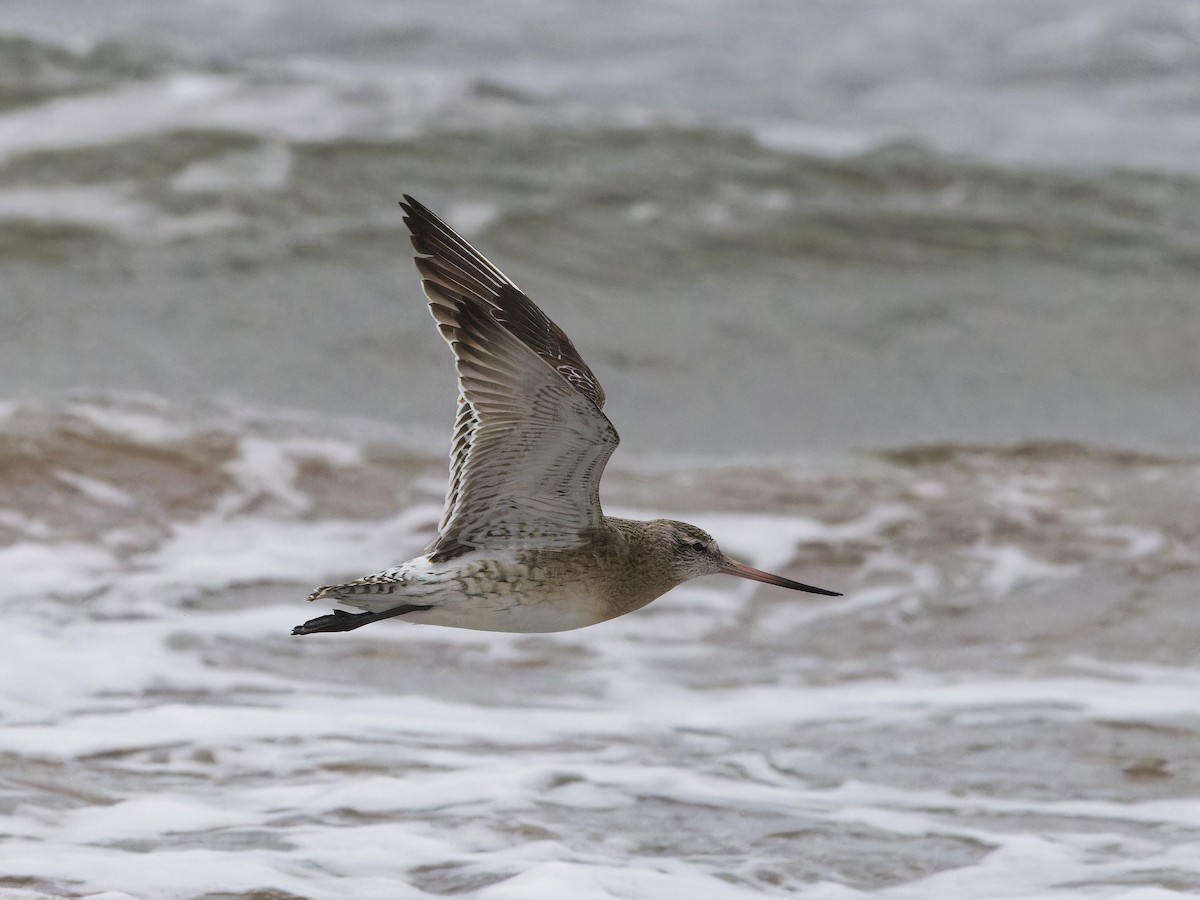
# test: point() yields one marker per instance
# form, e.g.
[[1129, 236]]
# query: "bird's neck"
[[639, 561]]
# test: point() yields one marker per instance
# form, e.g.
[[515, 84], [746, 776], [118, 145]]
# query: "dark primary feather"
[[451, 262]]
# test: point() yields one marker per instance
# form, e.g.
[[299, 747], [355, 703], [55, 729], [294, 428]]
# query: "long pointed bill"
[[741, 570]]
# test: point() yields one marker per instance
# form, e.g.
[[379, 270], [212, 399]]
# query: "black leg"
[[341, 620]]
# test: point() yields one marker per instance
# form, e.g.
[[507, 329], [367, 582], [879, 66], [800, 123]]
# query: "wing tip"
[[416, 215]]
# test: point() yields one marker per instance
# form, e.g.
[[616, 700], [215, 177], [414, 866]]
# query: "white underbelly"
[[507, 597], [532, 618]]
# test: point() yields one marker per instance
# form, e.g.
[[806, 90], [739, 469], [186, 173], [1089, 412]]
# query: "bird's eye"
[[698, 547]]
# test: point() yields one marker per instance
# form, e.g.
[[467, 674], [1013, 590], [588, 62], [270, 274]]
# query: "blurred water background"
[[900, 299]]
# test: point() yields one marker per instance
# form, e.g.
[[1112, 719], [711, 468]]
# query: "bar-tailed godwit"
[[523, 544]]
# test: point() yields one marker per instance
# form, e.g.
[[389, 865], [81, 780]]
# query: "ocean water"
[[897, 299]]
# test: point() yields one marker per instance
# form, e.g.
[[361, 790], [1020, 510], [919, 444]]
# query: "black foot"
[[340, 620]]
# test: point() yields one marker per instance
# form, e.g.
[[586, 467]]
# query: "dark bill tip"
[[741, 570]]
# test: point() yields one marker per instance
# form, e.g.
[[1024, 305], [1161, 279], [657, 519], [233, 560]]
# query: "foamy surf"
[[1003, 705]]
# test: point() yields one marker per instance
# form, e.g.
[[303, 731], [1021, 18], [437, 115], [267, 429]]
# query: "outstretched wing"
[[530, 441]]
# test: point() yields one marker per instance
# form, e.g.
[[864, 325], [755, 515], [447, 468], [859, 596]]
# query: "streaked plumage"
[[523, 544]]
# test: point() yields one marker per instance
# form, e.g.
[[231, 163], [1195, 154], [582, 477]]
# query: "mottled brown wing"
[[530, 441]]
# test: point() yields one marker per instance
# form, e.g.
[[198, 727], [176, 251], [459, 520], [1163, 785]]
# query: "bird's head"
[[694, 552]]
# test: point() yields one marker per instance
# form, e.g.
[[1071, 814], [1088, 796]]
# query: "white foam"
[[1139, 542], [216, 552], [33, 569], [1022, 497], [1009, 567], [222, 755], [95, 489], [112, 207], [363, 786], [144, 817], [141, 419], [310, 103], [472, 218], [22, 523], [265, 168], [557, 879], [811, 138], [268, 467]]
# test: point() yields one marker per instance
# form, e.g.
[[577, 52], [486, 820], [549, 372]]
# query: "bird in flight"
[[523, 545]]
